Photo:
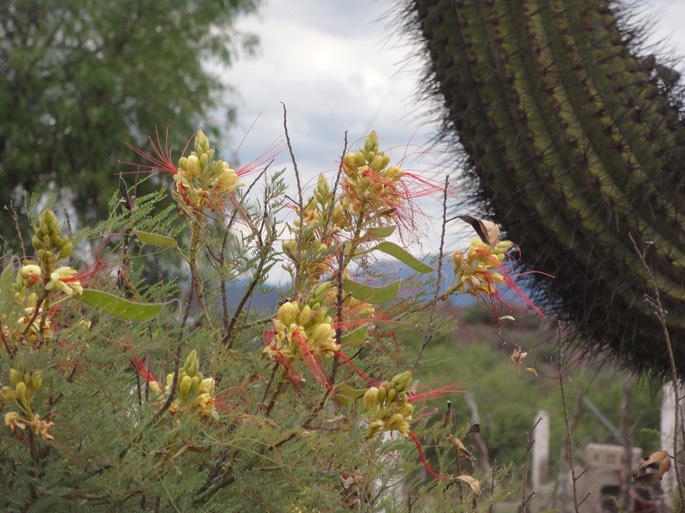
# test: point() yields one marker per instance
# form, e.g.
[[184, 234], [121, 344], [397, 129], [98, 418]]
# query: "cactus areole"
[[576, 144]]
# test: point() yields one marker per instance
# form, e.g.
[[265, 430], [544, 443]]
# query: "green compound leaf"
[[155, 239], [373, 295], [354, 338], [380, 232], [120, 307], [346, 395], [401, 254]]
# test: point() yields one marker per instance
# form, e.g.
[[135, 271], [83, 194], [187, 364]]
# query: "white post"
[[668, 431]]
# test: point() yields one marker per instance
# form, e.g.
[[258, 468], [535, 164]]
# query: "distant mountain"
[[267, 297]]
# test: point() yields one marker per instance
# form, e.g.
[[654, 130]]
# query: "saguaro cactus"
[[577, 143]]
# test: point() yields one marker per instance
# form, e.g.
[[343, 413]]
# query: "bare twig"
[[12, 211], [438, 280], [529, 446], [569, 433], [300, 202], [661, 316]]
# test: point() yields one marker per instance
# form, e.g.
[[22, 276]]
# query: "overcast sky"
[[338, 66]]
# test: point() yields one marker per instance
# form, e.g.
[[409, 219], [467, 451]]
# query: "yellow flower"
[[13, 420], [30, 274], [65, 280], [227, 181]]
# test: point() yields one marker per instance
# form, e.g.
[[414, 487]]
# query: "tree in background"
[[575, 139], [79, 77]]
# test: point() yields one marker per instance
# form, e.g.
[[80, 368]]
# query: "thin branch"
[[12, 212], [661, 316], [569, 434], [438, 280], [300, 201], [335, 187], [529, 446]]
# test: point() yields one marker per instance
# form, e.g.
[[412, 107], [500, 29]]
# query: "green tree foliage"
[[79, 77], [575, 140]]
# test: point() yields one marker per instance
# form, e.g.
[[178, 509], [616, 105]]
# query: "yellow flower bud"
[[371, 142], [406, 411], [377, 163], [382, 395], [20, 391], [370, 398], [374, 427], [395, 421], [288, 313], [15, 377], [319, 293], [400, 381], [36, 381], [201, 142], [192, 364], [37, 242], [6, 394], [193, 166], [321, 335], [390, 397], [184, 385], [350, 160], [393, 173], [66, 250], [305, 315], [322, 186], [227, 181], [206, 386], [196, 380]]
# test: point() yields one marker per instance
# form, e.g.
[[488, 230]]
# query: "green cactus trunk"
[[577, 145]]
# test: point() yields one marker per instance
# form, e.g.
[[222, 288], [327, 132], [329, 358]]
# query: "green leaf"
[[354, 338], [7, 280], [346, 395], [120, 307], [401, 254], [380, 232], [155, 239], [373, 295]]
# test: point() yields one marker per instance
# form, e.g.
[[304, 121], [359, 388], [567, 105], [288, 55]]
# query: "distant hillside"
[[268, 296]]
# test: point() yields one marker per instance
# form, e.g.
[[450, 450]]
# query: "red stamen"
[[437, 393], [84, 275], [262, 160], [161, 160], [423, 457], [220, 397], [366, 378], [522, 295], [142, 370], [312, 362]]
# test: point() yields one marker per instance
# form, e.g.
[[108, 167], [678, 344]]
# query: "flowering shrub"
[[284, 415]]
